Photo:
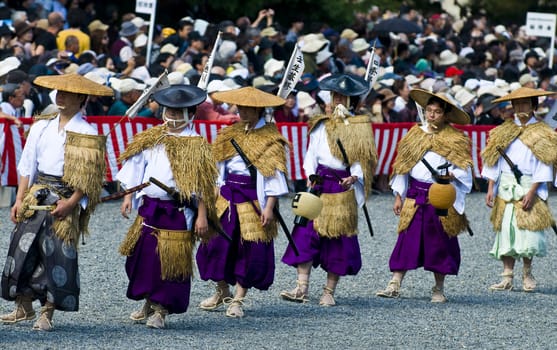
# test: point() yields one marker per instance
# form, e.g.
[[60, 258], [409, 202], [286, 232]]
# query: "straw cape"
[[455, 115], [523, 92], [73, 83], [248, 97]]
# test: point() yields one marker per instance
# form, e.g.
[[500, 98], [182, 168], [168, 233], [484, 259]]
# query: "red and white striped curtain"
[[120, 133]]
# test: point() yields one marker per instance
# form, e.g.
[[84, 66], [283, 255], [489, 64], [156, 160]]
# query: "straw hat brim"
[[523, 92], [248, 97], [456, 115], [73, 83]]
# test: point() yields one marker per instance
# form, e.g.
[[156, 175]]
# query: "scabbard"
[[368, 220], [286, 230]]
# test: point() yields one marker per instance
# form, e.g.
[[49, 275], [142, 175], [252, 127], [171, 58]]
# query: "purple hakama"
[[425, 242], [143, 267], [251, 264], [340, 256]]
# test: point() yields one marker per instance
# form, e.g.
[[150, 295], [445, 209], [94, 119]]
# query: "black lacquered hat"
[[180, 96], [345, 84]]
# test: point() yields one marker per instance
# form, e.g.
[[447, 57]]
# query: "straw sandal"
[[23, 312], [327, 299], [234, 309], [392, 290], [528, 281], [505, 284], [438, 296], [44, 322], [157, 318], [298, 294], [142, 314], [216, 300]]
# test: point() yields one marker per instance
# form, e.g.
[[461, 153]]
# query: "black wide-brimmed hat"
[[345, 84], [180, 96]]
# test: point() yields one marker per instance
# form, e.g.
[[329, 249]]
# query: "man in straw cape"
[[517, 187], [160, 243], [61, 173], [245, 202], [331, 240], [426, 237]]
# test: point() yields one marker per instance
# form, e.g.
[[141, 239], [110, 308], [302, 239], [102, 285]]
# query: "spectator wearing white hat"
[[214, 110], [129, 90]]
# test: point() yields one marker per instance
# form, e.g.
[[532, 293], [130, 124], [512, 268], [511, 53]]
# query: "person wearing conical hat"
[[245, 202], [518, 196], [427, 237], [330, 241], [61, 171], [159, 245]]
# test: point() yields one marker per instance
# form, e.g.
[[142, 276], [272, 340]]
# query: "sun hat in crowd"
[[455, 115], [272, 66], [359, 45], [387, 94], [169, 48], [139, 22], [97, 25], [452, 71], [268, 32], [527, 78], [304, 99], [128, 29], [8, 64], [313, 43], [323, 56], [348, 34], [249, 97], [126, 85], [447, 58], [464, 97], [411, 79], [140, 40], [74, 83]]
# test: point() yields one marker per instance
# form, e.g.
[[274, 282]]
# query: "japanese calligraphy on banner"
[[540, 24], [145, 6], [293, 73]]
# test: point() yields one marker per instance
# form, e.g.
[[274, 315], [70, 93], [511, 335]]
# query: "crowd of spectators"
[[470, 59]]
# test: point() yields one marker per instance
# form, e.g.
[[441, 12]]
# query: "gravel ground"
[[473, 318]]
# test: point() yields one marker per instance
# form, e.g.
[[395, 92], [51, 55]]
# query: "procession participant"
[[62, 168], [425, 238], [331, 240], [517, 190], [159, 244], [245, 204]]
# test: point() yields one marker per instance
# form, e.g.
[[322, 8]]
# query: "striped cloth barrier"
[[120, 133]]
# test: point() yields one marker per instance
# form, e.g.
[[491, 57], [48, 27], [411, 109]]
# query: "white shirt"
[[152, 162], [318, 152], [266, 186], [527, 163], [462, 178], [44, 148]]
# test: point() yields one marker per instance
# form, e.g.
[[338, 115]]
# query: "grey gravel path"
[[474, 318]]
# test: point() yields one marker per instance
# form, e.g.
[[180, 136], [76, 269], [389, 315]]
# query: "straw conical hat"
[[73, 83], [523, 92], [249, 97], [456, 115]]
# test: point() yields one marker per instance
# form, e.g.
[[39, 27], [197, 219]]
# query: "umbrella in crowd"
[[397, 25]]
